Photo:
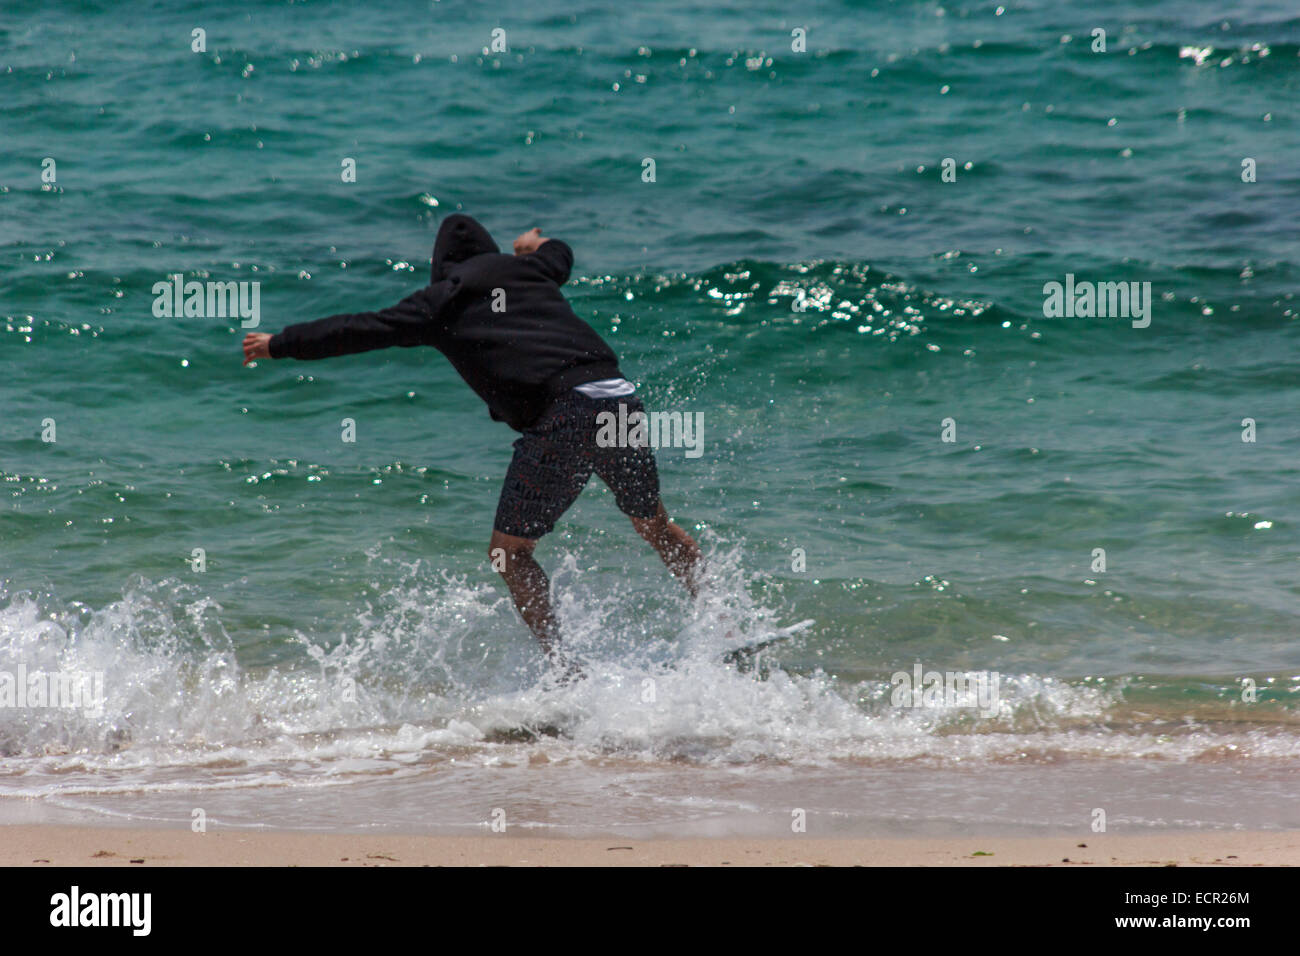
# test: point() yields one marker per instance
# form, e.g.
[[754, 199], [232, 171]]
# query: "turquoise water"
[[799, 273]]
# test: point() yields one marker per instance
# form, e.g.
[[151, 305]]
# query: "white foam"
[[438, 668]]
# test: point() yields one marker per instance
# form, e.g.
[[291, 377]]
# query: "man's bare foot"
[[565, 670]]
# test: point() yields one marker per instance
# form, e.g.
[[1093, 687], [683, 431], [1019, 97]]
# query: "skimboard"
[[523, 734], [743, 657]]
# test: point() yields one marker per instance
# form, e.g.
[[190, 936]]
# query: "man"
[[508, 330]]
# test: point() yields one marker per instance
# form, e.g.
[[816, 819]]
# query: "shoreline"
[[62, 845]]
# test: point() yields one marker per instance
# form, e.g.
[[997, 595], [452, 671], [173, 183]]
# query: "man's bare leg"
[[677, 548], [529, 587]]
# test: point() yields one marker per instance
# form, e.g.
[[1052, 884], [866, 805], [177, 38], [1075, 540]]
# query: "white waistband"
[[606, 388]]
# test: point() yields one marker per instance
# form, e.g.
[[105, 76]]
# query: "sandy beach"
[[39, 845]]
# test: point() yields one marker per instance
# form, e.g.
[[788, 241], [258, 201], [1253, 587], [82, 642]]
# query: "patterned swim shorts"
[[557, 454]]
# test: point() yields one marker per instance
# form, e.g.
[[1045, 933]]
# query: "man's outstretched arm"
[[405, 324]]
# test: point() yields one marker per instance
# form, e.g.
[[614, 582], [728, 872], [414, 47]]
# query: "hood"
[[460, 237]]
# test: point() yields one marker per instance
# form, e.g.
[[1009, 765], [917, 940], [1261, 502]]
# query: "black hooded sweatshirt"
[[518, 360]]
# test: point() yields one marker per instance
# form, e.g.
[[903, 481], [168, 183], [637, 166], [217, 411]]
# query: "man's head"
[[529, 241], [460, 237]]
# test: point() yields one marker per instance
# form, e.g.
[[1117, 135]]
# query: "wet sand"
[[44, 845]]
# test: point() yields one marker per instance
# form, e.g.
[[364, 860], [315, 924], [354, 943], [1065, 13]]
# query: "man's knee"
[[505, 549], [655, 526]]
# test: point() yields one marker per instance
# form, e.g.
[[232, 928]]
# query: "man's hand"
[[257, 345], [530, 241]]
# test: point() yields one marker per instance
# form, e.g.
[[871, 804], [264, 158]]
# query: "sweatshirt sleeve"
[[555, 258], [409, 322]]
